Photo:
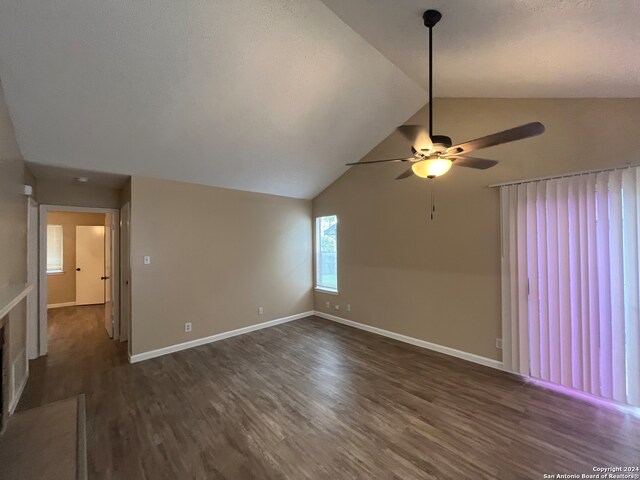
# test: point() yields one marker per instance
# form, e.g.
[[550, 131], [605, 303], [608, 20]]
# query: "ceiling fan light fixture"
[[431, 168]]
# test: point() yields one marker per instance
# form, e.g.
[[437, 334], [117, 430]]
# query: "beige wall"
[[216, 255], [60, 193], [61, 287], [125, 193], [440, 280], [13, 205], [13, 238], [30, 179]]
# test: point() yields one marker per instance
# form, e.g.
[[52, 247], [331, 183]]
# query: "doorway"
[[79, 264]]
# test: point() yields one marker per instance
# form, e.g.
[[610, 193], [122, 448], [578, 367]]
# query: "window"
[[326, 253], [54, 249]]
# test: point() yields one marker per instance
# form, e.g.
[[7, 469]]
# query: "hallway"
[[80, 359]]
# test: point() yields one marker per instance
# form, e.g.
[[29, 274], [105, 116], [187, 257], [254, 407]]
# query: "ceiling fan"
[[433, 155]]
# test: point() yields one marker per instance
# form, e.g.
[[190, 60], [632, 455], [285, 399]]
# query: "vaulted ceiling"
[[275, 96], [517, 48]]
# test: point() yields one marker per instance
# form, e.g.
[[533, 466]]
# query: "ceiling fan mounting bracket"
[[431, 17]]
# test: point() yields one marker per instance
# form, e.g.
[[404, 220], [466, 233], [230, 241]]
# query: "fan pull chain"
[[433, 200], [432, 188]]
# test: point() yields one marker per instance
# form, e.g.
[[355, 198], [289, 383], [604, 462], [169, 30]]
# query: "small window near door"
[[327, 253], [54, 249]]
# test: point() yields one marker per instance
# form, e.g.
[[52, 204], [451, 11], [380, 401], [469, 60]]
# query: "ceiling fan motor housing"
[[440, 143]]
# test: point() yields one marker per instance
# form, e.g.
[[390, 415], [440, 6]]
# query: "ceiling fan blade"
[[472, 162], [408, 159], [406, 174], [417, 135], [511, 135]]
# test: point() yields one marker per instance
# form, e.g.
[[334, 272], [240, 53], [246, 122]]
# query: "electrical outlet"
[[348, 307], [328, 305], [260, 310], [337, 307], [147, 259], [187, 327], [499, 343]]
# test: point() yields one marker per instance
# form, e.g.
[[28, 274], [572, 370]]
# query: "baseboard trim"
[[471, 357], [59, 305], [138, 357]]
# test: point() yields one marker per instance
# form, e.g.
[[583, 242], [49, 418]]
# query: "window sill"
[[324, 290], [56, 272]]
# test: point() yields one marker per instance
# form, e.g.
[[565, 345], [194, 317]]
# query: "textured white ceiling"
[[275, 96], [518, 48], [271, 96]]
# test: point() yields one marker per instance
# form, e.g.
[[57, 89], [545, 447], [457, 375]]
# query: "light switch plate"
[[147, 260]]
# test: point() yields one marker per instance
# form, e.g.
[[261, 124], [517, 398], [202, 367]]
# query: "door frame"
[[33, 273], [125, 271], [42, 274]]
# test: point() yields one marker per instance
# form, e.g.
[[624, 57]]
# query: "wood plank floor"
[[313, 399]]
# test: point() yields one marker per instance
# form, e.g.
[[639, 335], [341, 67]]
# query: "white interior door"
[[125, 273], [90, 263], [108, 274]]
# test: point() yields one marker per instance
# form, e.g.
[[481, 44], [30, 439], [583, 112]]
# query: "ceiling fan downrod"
[[431, 18]]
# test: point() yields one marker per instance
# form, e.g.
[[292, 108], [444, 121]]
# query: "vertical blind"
[[54, 248], [570, 282]]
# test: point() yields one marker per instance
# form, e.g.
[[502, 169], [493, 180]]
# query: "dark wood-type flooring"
[[314, 399]]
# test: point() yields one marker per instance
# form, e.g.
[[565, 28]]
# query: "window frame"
[[317, 287], [59, 271]]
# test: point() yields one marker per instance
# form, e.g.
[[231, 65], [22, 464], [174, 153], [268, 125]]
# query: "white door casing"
[[125, 272], [108, 277], [42, 281], [32, 279]]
